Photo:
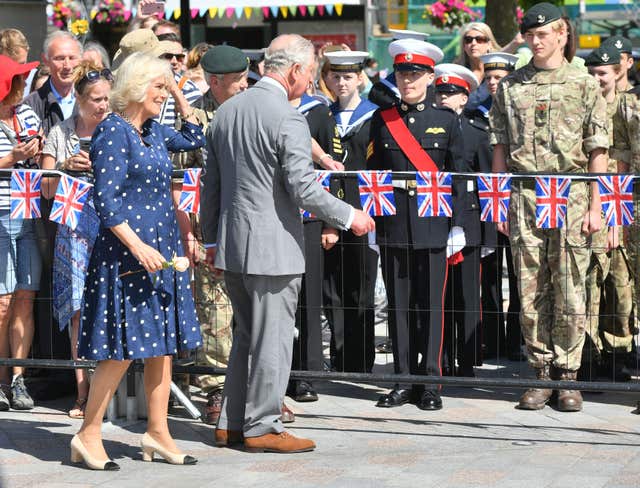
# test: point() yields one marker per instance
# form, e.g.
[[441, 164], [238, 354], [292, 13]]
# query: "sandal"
[[77, 412]]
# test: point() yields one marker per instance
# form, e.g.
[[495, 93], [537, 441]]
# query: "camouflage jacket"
[[549, 120], [626, 130]]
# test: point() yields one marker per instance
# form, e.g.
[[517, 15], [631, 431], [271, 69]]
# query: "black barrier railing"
[[375, 376]]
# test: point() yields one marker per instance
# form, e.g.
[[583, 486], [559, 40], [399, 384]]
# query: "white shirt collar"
[[274, 82]]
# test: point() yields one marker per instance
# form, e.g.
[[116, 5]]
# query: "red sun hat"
[[11, 69]]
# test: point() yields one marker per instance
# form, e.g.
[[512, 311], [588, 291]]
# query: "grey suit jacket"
[[258, 175]]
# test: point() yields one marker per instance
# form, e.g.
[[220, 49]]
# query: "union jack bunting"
[[69, 201], [552, 194], [324, 178], [617, 199], [25, 194], [494, 193], [434, 194], [190, 195], [376, 193]]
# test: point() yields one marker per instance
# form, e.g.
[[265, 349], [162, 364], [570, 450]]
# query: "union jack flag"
[[617, 199], [324, 178], [25, 194], [69, 201], [190, 195], [434, 194], [376, 193], [552, 194], [494, 193]]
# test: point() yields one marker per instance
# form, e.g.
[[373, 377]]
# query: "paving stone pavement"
[[477, 440]]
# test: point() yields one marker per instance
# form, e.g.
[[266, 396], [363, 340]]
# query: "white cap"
[[503, 61], [411, 54], [453, 77], [408, 34], [347, 61]]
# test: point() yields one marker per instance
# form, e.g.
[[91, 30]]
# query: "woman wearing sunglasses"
[[67, 149]]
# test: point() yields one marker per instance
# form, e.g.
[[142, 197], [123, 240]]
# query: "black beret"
[[603, 56], [622, 44], [538, 15], [224, 59]]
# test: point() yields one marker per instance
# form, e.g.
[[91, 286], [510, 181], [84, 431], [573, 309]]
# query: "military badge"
[[435, 130], [444, 78], [618, 44], [409, 56], [541, 19], [605, 57]]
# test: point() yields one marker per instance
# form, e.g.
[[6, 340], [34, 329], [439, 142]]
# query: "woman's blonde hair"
[[10, 41], [462, 58], [133, 78], [80, 72]]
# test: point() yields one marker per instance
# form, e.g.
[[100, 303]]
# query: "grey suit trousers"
[[264, 309]]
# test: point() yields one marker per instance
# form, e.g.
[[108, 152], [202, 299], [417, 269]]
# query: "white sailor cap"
[[408, 34], [503, 61], [454, 78], [347, 61], [414, 55]]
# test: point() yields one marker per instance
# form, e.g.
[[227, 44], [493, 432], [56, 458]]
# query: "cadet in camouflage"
[[549, 117]]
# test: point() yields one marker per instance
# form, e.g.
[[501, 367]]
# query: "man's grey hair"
[[59, 35], [297, 51], [102, 52]]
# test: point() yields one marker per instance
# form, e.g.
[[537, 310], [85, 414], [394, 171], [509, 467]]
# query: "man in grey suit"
[[258, 175]]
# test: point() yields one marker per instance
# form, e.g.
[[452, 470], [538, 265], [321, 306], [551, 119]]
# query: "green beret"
[[224, 59], [622, 44], [603, 56], [538, 15]]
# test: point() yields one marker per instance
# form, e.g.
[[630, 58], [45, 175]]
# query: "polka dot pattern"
[[139, 315]]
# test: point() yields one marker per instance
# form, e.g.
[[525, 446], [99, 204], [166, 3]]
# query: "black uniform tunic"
[[351, 266], [412, 247]]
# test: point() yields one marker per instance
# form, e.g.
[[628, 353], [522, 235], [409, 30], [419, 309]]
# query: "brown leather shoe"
[[287, 415], [283, 443], [228, 437], [536, 398], [213, 409], [568, 400]]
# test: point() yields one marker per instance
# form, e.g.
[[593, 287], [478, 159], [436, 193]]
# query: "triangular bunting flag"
[[265, 12], [292, 10], [203, 11], [239, 12], [330, 9], [303, 10], [284, 11], [274, 11], [220, 12], [229, 12], [212, 12], [321, 10], [312, 9], [247, 12], [194, 13], [339, 9], [177, 13]]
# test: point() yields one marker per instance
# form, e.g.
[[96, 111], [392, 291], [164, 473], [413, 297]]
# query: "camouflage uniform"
[[537, 115], [626, 149], [609, 275], [212, 303]]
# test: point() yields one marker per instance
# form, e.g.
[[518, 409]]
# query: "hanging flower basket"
[[449, 14], [111, 12]]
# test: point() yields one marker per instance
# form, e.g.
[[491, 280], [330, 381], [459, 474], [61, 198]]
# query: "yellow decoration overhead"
[[247, 12], [339, 9], [177, 13], [212, 12], [284, 11]]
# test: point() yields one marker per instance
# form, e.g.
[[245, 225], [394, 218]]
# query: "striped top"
[[168, 111], [28, 123]]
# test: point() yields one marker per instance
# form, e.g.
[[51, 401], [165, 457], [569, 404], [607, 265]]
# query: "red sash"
[[411, 148]]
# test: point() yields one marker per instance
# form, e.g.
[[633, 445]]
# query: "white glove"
[[456, 241], [485, 251]]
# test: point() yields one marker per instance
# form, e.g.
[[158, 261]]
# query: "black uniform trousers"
[[415, 282], [349, 288], [307, 348], [498, 340], [463, 314]]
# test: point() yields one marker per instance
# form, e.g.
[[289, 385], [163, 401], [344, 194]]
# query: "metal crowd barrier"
[[194, 364]]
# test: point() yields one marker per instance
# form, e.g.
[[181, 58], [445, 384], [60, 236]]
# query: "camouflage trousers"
[[609, 320], [632, 243], [215, 315], [551, 268]]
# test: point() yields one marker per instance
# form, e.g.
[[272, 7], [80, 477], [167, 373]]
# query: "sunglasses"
[[170, 56], [478, 39], [94, 75]]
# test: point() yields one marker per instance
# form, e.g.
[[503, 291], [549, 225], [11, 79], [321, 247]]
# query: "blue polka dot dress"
[[137, 315]]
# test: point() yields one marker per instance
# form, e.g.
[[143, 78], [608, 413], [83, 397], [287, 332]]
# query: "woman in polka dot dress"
[[134, 306]]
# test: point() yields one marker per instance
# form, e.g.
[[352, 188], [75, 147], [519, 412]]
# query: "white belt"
[[404, 184]]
